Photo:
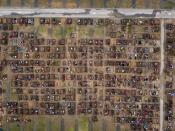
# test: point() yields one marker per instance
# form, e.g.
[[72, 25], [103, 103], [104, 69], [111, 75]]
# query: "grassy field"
[[167, 4], [15, 3], [40, 123], [83, 124]]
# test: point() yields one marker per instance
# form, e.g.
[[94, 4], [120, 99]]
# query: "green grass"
[[43, 3], [13, 96], [126, 3], [71, 129], [69, 124], [83, 124], [55, 124], [71, 4], [84, 3], [15, 3], [98, 3], [99, 32], [96, 126], [111, 4], [14, 127], [169, 5], [41, 123], [58, 32], [67, 31], [82, 32], [42, 30], [28, 126]]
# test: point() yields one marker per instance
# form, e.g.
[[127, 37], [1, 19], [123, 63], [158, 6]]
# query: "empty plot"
[[41, 123], [98, 3], [58, 32], [125, 4], [28, 126], [43, 30], [28, 3], [83, 124], [67, 31], [15, 3], [85, 3], [43, 3], [69, 124], [14, 126], [2, 3], [168, 4], [55, 121], [96, 126], [140, 3], [110, 125], [110, 4], [82, 32], [71, 4], [57, 4], [99, 32]]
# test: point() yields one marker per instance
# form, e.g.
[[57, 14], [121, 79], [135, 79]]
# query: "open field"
[[169, 4]]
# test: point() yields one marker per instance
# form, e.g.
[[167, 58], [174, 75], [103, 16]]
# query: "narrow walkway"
[[104, 127], [49, 3], [76, 125], [35, 3], [90, 125], [21, 126], [162, 75], [91, 3], [22, 3], [62, 125], [8, 3], [48, 124], [64, 3], [105, 3], [78, 3], [161, 3], [34, 123], [118, 127], [133, 4]]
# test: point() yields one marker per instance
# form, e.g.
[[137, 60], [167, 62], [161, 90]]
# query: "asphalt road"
[[80, 12]]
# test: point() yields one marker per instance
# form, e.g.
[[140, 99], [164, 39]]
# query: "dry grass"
[[15, 3], [85, 3], [140, 3], [71, 4], [98, 3], [56, 4], [126, 4], [43, 3]]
